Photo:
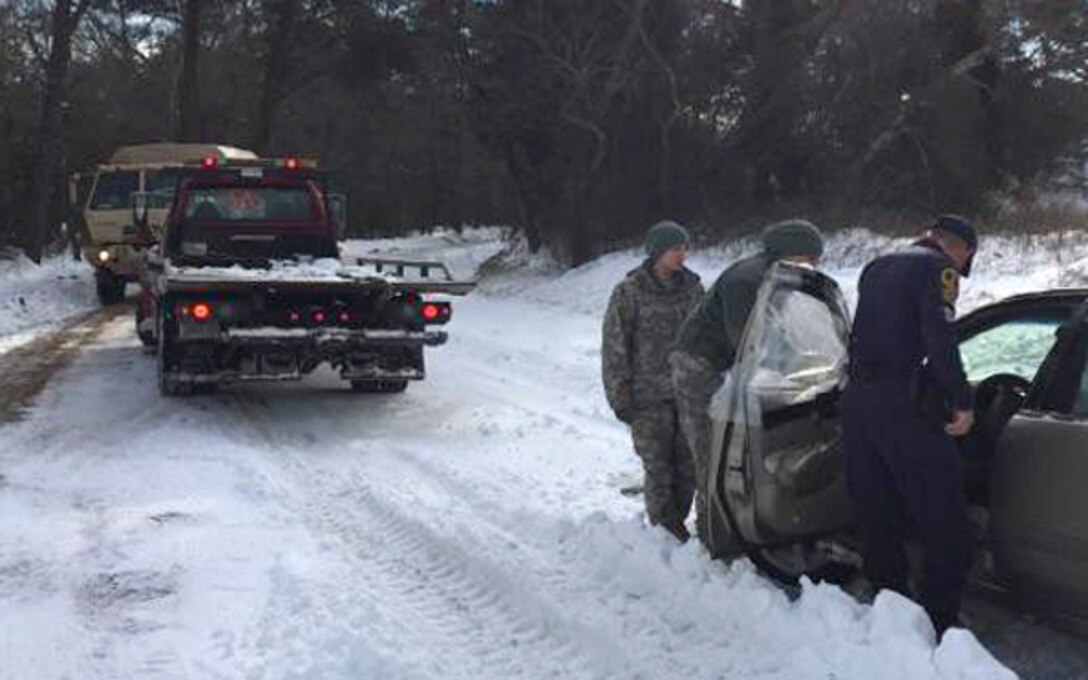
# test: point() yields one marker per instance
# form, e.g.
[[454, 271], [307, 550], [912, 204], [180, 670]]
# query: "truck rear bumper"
[[205, 353], [303, 338]]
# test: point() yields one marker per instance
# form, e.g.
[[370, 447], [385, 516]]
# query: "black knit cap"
[[793, 237], [958, 226], [665, 235], [961, 228]]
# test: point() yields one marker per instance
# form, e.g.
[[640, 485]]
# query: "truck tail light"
[[319, 316], [209, 162], [435, 312], [291, 163], [197, 311]]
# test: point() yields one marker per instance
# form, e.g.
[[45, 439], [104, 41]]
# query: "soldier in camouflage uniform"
[[708, 341], [644, 313]]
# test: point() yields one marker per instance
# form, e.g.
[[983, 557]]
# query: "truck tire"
[[147, 337], [379, 386], [109, 286], [169, 386]]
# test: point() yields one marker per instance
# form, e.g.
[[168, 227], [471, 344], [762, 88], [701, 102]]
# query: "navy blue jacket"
[[906, 306]]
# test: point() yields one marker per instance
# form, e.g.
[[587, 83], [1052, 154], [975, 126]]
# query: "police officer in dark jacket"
[[906, 401]]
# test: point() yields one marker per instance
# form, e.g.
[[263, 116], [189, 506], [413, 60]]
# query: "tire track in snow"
[[477, 612], [28, 368]]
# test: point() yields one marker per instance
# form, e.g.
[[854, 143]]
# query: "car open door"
[[776, 470], [1039, 508]]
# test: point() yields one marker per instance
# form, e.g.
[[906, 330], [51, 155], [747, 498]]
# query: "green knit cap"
[[665, 235], [793, 237]]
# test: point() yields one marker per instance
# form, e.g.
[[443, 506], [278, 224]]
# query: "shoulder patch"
[[950, 285]]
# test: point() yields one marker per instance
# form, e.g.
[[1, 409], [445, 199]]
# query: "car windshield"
[[113, 191], [1017, 347]]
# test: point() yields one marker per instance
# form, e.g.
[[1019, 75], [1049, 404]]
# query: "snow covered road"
[[472, 527]]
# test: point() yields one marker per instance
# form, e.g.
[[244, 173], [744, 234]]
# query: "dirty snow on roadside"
[[471, 527]]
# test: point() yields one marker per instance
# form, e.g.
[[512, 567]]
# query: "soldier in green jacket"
[[639, 330], [709, 338]]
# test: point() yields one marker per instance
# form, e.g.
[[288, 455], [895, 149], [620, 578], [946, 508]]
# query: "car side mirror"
[[140, 204]]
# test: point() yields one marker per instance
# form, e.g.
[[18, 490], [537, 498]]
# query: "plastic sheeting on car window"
[[795, 348], [802, 352]]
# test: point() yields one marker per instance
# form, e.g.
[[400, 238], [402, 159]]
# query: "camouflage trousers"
[[695, 380], [669, 476]]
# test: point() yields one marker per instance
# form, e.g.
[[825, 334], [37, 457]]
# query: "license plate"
[[252, 172]]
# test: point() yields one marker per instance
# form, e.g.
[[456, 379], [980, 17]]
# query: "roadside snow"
[[1005, 265], [35, 298]]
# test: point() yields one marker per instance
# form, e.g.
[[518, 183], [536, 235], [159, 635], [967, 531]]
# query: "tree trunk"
[[283, 14], [45, 189], [188, 129]]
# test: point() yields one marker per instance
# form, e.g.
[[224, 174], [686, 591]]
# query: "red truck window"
[[228, 204]]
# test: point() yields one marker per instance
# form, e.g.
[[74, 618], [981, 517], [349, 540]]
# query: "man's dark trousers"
[[903, 473]]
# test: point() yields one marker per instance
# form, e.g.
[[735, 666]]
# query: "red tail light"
[[201, 311], [197, 311], [435, 312], [291, 163], [294, 317], [319, 316], [344, 317], [209, 162]]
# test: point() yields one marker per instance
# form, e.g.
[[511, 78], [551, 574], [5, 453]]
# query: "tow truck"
[[247, 284]]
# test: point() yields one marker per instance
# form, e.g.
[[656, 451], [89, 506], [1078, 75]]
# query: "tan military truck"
[[104, 202]]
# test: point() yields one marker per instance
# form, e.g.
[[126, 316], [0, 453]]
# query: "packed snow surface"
[[472, 527]]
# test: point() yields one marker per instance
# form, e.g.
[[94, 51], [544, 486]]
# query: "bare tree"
[[47, 176], [188, 121]]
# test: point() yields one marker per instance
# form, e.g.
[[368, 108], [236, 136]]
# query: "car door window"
[[1017, 346], [803, 349]]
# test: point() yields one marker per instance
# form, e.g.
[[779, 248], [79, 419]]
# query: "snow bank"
[[1005, 265], [718, 612], [34, 297]]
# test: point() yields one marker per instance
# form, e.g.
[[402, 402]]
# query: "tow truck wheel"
[[379, 386], [168, 385], [147, 337], [109, 286]]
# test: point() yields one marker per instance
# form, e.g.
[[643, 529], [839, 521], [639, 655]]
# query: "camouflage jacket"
[[639, 330]]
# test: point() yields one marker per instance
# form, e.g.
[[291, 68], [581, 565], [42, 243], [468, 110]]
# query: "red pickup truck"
[[248, 284]]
